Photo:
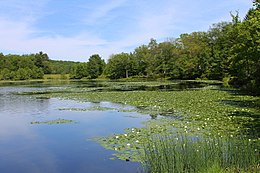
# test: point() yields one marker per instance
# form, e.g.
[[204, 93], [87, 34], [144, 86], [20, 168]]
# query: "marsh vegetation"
[[198, 127]]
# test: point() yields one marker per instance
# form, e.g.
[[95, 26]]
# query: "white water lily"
[[125, 135], [128, 144], [117, 137], [136, 141]]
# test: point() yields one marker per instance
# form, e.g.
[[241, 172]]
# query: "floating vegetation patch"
[[163, 147], [214, 108], [43, 98], [93, 108], [57, 121], [97, 108], [209, 121]]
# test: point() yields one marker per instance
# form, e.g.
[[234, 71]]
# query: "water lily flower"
[[125, 135], [136, 141], [117, 137], [128, 144], [137, 132]]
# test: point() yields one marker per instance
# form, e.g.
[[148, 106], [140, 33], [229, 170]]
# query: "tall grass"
[[56, 77], [183, 154]]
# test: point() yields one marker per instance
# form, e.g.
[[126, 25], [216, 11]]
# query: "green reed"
[[183, 154]]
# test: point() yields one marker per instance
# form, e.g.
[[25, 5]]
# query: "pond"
[[26, 146], [38, 134]]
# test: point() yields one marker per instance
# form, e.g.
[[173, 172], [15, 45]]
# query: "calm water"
[[59, 148]]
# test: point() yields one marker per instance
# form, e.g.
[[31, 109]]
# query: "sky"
[[76, 29]]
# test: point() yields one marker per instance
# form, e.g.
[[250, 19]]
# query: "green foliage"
[[61, 67], [56, 76], [95, 66], [184, 153], [79, 71], [16, 67], [92, 69], [119, 66], [246, 51], [226, 49], [41, 61]]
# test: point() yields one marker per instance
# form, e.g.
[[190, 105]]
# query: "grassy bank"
[[181, 153], [56, 77]]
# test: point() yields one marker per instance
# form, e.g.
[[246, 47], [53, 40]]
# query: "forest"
[[228, 51]]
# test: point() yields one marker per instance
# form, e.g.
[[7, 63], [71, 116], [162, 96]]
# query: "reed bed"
[[183, 154]]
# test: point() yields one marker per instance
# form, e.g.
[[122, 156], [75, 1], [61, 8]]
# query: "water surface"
[[59, 148]]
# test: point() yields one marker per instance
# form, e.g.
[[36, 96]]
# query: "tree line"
[[228, 51], [32, 66]]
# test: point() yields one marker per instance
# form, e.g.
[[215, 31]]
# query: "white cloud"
[[101, 12], [16, 38], [141, 20]]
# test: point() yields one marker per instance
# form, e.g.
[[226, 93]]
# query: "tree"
[[140, 59], [23, 74], [246, 51], [41, 61], [6, 74], [152, 58], [119, 66], [221, 37], [79, 71], [95, 66]]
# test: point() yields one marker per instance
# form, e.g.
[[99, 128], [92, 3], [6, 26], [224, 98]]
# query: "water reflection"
[[64, 148]]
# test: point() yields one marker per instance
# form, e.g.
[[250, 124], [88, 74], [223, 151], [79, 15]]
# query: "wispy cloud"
[[76, 29], [101, 12], [16, 38]]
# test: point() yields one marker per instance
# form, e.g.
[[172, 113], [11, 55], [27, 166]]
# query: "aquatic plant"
[[181, 153], [211, 112], [50, 122]]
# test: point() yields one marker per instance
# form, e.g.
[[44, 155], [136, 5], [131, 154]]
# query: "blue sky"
[[76, 29]]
